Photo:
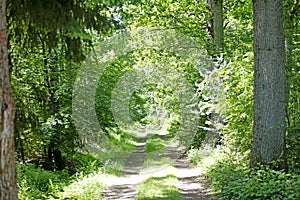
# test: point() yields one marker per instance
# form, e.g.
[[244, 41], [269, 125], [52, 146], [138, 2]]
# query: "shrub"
[[86, 163], [37, 183], [238, 181], [86, 188]]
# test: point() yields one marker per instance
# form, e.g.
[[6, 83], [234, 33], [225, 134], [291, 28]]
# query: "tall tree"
[[8, 186], [269, 85]]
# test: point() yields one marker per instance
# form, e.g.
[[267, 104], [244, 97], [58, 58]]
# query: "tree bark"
[[269, 127], [217, 8], [8, 185]]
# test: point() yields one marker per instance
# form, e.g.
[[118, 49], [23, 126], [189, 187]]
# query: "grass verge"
[[159, 188]]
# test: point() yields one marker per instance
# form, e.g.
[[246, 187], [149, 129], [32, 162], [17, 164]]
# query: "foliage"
[[87, 183], [291, 12], [48, 41], [86, 188], [237, 79], [85, 163], [184, 16], [43, 99], [139, 106], [204, 156], [64, 25], [293, 121], [37, 183], [235, 180], [199, 138], [155, 102], [228, 93], [106, 84], [238, 28]]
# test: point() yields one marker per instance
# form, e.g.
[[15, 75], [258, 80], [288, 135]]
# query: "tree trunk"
[[269, 85], [217, 8], [8, 186]]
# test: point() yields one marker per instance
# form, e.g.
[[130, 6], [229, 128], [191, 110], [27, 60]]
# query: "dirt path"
[[191, 184], [125, 187]]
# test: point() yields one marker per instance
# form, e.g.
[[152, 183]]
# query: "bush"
[[86, 188], [201, 157], [237, 181], [86, 163], [36, 183]]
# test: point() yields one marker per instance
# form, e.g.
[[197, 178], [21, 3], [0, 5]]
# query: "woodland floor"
[[191, 183]]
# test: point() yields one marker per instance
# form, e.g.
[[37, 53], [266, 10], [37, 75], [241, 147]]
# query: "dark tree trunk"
[[269, 85], [8, 186]]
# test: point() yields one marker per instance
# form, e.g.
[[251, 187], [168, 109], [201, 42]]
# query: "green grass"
[[86, 188], [36, 183], [154, 144], [87, 183], [154, 160], [159, 188]]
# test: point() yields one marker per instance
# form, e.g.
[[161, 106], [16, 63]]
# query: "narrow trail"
[[191, 184]]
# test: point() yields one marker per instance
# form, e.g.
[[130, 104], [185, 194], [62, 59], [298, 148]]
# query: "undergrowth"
[[232, 178], [37, 183]]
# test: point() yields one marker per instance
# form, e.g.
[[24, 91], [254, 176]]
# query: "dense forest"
[[91, 88]]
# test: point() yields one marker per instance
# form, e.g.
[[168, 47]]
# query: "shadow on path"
[[191, 185], [125, 187]]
